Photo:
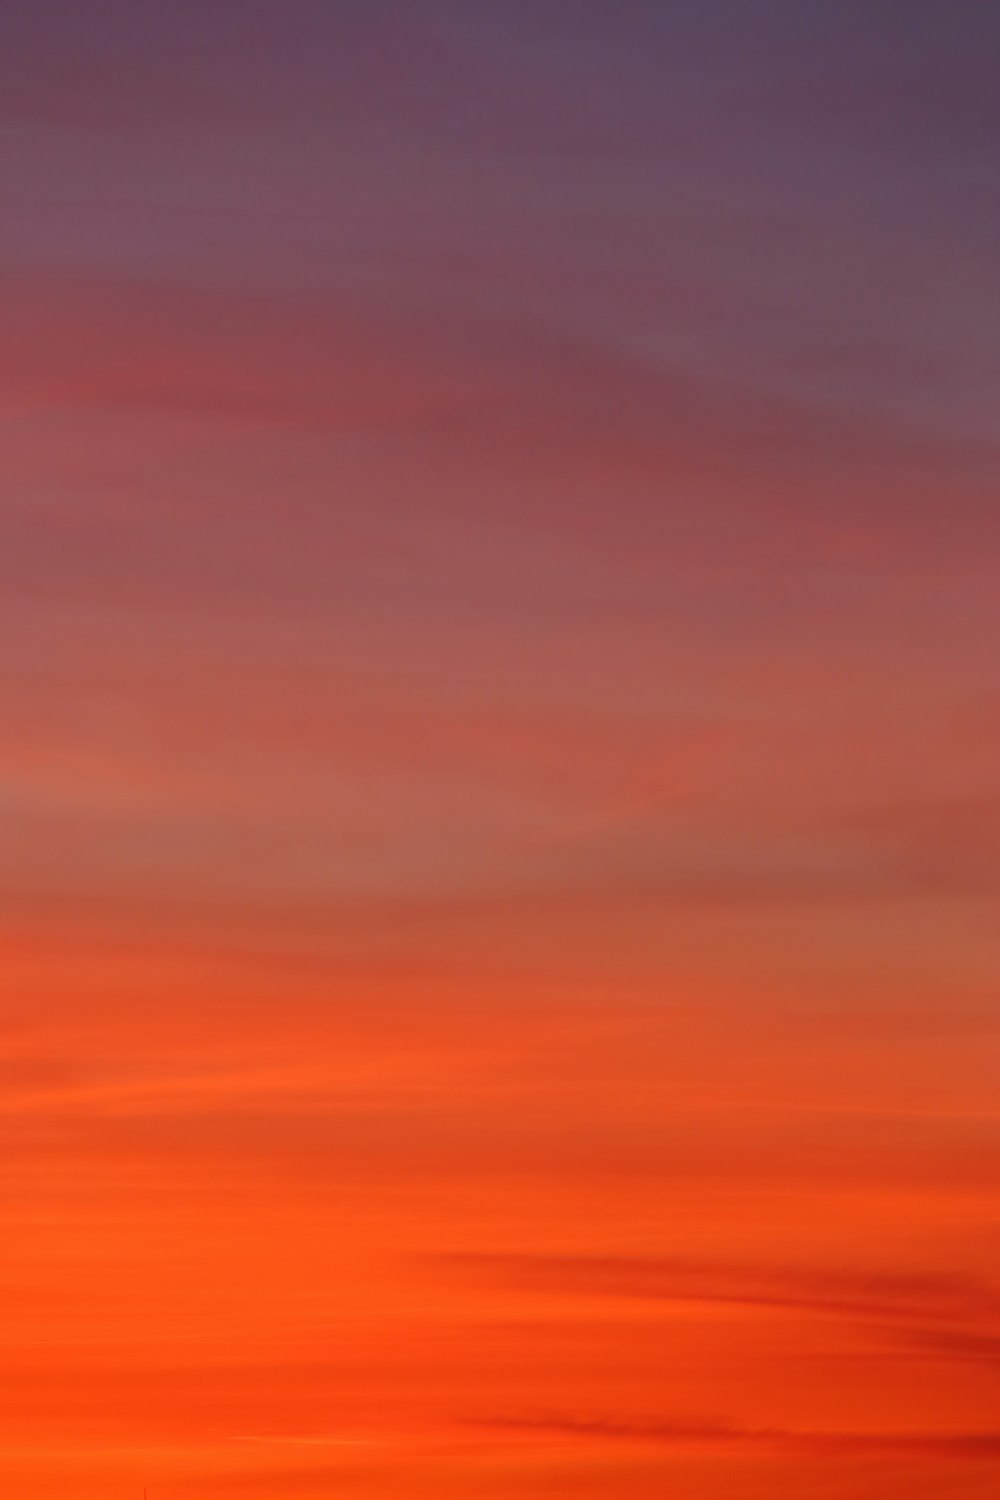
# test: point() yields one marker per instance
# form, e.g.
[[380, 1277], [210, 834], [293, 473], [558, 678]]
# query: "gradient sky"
[[500, 757]]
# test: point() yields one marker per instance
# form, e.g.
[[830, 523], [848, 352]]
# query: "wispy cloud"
[[876, 1294], [682, 1433]]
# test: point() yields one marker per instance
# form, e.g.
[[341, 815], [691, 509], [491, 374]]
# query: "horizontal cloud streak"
[[846, 1293], [949, 1445]]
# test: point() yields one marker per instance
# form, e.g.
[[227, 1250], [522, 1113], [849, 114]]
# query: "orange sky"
[[499, 774]]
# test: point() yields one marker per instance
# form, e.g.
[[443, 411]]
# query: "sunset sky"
[[500, 749]]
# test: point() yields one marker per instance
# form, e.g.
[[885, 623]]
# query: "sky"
[[499, 749]]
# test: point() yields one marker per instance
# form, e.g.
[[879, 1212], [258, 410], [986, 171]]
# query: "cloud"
[[181, 347], [314, 1440], [961, 1346], [876, 1294], [679, 1432]]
